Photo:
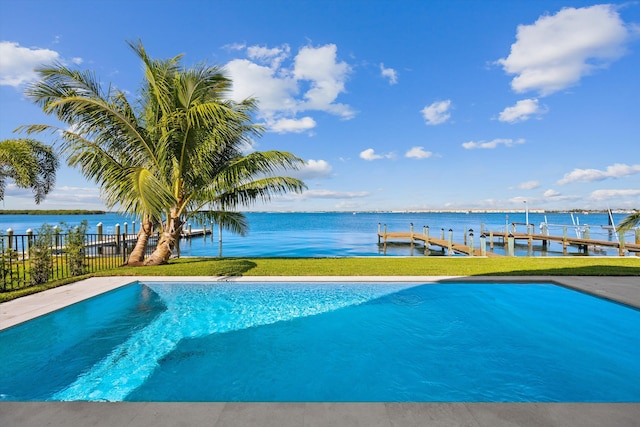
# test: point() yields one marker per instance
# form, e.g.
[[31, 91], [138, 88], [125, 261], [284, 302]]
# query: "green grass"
[[414, 266], [388, 266]]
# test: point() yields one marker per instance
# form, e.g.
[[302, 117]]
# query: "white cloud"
[[418, 153], [437, 113], [292, 125], [614, 194], [551, 193], [61, 197], [617, 170], [326, 76], [557, 50], [313, 169], [17, 63], [517, 200], [329, 194], [520, 112], [234, 46], [275, 93], [272, 56], [389, 73], [284, 86], [370, 154], [492, 144], [528, 185]]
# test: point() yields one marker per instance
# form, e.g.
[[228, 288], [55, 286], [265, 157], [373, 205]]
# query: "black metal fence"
[[26, 261]]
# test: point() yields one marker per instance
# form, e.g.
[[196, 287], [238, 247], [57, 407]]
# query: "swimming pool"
[[361, 342]]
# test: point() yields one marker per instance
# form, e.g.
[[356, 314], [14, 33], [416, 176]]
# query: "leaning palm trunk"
[[137, 255], [168, 240]]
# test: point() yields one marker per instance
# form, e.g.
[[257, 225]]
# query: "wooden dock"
[[488, 238], [451, 247], [566, 241]]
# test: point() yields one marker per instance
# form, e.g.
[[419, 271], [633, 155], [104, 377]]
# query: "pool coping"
[[622, 289]]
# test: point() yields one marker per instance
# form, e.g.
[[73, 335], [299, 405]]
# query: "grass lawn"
[[389, 266], [370, 266]]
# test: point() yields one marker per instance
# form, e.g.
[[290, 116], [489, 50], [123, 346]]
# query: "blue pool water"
[[328, 342]]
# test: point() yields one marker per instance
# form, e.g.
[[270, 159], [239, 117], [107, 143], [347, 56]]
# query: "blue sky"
[[394, 105]]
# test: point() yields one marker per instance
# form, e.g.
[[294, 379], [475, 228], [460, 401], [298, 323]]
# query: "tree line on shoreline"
[[51, 212]]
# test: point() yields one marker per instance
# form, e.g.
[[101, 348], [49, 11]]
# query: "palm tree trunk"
[[167, 242], [137, 255]]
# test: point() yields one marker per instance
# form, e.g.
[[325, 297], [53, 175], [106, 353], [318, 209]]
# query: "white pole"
[[526, 214]]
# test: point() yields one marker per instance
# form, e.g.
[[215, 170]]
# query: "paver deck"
[[218, 414]]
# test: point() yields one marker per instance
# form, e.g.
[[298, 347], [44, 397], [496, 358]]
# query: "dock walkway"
[[384, 237], [568, 241]]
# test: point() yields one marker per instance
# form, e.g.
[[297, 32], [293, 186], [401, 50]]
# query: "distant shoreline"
[[474, 211], [50, 212]]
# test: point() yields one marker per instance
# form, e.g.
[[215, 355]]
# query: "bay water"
[[342, 234]]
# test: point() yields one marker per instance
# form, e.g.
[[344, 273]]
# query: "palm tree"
[[204, 134], [30, 164], [177, 153]]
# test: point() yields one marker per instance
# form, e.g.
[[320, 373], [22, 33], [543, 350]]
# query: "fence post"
[[56, 233], [117, 231], [133, 227], [471, 243], [450, 242], [29, 238], [10, 237], [126, 230], [483, 244]]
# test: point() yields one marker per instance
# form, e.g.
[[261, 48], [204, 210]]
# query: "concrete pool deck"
[[621, 289]]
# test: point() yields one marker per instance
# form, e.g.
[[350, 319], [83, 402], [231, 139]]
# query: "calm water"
[[335, 234], [328, 342]]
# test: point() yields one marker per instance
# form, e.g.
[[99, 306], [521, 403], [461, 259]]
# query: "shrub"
[[40, 259], [75, 249]]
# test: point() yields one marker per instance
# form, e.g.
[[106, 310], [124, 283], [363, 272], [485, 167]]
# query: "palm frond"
[[630, 221], [235, 222], [30, 164]]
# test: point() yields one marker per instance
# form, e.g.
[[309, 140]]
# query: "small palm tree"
[[30, 164]]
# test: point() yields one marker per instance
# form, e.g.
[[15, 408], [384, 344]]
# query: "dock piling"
[[510, 245], [426, 239]]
